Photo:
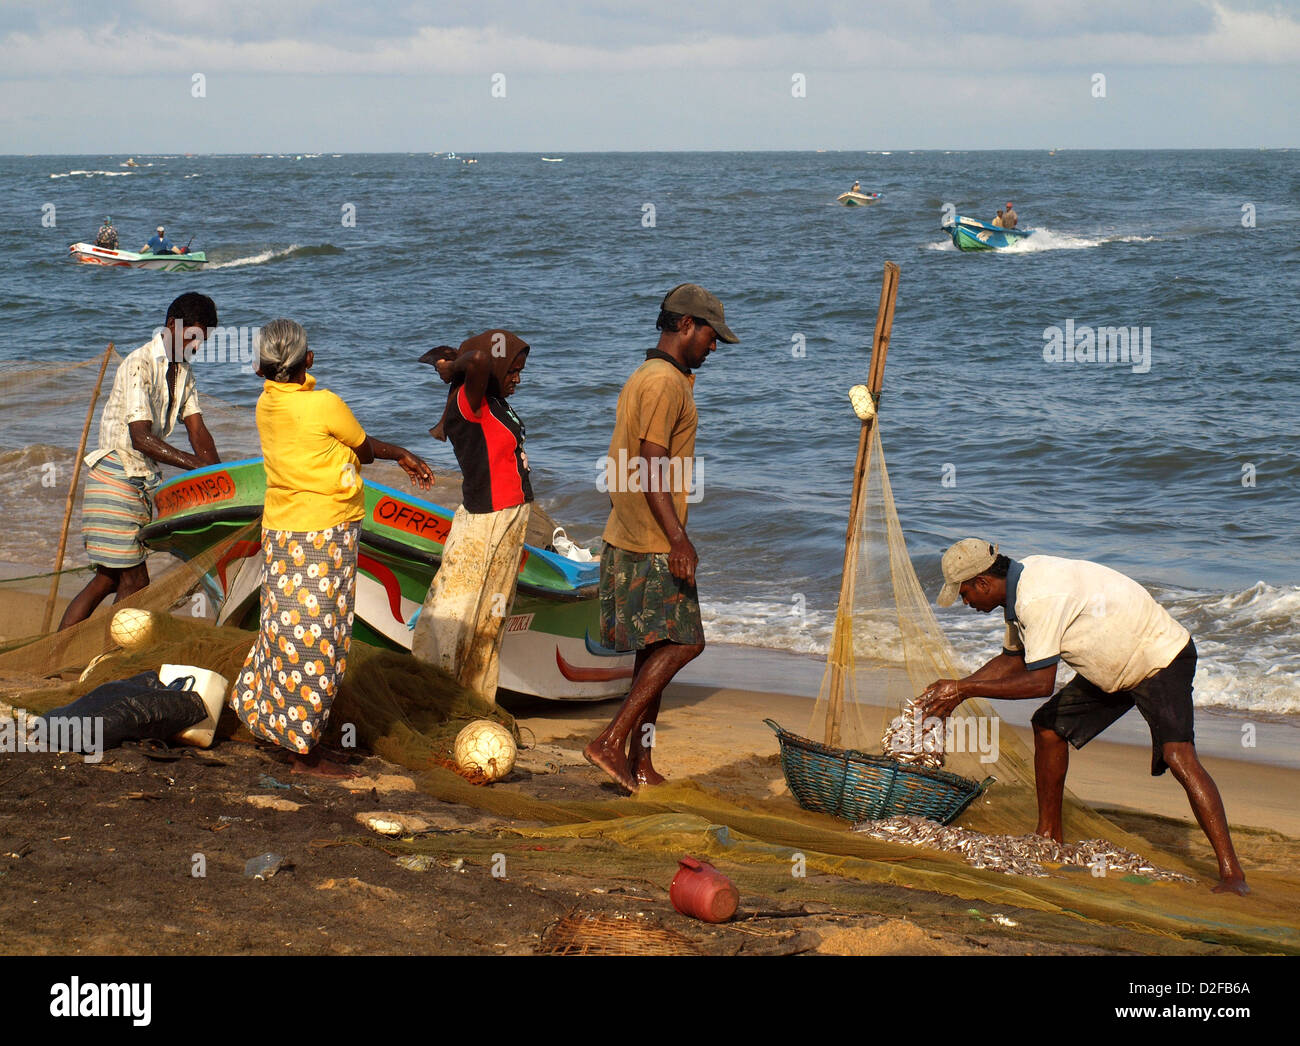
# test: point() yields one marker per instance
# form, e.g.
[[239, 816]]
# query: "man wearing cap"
[[1009, 217], [158, 244], [1126, 650], [648, 598]]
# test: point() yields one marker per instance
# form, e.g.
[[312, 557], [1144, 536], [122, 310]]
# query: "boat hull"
[[547, 650], [970, 234], [857, 199], [89, 254]]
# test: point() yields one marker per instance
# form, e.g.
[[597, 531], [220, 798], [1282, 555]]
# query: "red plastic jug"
[[702, 892]]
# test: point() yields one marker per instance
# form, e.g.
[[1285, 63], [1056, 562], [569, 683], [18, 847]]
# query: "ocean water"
[[1180, 467]]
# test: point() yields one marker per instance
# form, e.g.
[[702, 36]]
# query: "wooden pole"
[[842, 641], [72, 493]]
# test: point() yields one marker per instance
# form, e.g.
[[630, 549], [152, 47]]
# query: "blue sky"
[[78, 76]]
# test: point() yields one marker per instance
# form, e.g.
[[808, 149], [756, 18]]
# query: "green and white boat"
[[89, 254], [551, 647]]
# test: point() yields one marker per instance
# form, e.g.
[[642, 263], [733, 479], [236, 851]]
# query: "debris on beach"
[[1014, 854], [271, 802], [416, 862], [264, 866], [392, 824]]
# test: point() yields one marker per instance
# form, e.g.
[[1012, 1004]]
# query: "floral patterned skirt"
[[293, 671]]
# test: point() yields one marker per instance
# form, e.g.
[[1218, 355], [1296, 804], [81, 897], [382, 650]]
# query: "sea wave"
[[92, 174], [275, 254], [1249, 654]]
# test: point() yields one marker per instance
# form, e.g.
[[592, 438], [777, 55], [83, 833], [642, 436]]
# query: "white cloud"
[[1236, 37]]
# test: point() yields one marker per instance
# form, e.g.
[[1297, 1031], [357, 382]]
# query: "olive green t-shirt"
[[657, 404]]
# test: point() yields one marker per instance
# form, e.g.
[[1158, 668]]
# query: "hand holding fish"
[[941, 698]]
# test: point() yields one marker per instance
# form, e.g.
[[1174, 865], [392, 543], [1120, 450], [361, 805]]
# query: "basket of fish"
[[860, 787]]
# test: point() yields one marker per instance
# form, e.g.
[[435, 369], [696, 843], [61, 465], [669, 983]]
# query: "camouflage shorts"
[[641, 603]]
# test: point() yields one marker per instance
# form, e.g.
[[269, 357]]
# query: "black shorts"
[[1081, 710]]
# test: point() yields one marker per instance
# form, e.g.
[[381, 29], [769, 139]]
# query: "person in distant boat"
[[152, 390], [856, 187], [462, 622], [1126, 650], [159, 244], [311, 531], [107, 237], [648, 598], [1009, 217], [999, 219]]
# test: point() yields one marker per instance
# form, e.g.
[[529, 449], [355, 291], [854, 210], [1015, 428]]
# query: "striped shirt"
[[140, 394]]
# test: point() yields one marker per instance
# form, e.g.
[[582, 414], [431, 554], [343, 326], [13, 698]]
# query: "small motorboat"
[[551, 647], [89, 254], [971, 234], [857, 199], [552, 159]]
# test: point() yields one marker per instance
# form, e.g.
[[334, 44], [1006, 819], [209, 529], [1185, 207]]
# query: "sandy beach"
[[106, 852]]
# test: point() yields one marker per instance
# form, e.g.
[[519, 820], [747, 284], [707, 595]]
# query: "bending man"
[[1126, 650]]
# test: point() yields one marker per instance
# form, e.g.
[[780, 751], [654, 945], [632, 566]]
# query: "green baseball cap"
[[690, 299]]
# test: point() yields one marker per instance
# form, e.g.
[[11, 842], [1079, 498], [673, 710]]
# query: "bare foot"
[[315, 764], [612, 761], [646, 775], [1235, 885], [1055, 834]]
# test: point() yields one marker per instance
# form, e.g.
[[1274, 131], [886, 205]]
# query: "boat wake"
[[92, 174], [1044, 239], [275, 254]]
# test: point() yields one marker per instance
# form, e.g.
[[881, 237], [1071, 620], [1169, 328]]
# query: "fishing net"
[[888, 646]]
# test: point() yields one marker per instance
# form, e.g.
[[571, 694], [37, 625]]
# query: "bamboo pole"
[[72, 493], [842, 641]]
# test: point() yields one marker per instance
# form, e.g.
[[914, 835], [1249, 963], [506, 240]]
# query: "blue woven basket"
[[860, 787]]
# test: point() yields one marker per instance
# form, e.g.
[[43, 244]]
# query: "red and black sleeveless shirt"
[[489, 448]]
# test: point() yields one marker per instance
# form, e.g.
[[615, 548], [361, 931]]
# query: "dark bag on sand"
[[138, 708]]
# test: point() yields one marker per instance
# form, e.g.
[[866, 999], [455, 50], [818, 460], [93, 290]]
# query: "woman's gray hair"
[[281, 348]]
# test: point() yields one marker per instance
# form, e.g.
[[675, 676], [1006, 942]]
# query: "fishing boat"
[[89, 254], [971, 234], [553, 159], [551, 647], [857, 199]]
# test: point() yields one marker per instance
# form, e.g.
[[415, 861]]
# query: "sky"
[[239, 76]]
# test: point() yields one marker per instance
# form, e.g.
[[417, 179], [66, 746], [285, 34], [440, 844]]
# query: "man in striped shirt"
[[152, 390]]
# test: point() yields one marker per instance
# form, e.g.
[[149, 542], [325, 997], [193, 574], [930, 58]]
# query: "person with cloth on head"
[[152, 390], [1126, 650], [998, 219], [107, 236], [1009, 217], [311, 526], [648, 597], [462, 622], [159, 244]]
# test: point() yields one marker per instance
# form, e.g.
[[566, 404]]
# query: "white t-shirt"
[[1102, 624]]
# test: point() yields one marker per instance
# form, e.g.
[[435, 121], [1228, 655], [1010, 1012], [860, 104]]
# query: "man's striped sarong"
[[115, 509]]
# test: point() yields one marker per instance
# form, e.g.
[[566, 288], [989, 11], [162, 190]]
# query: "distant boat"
[[857, 199], [451, 156], [89, 254], [971, 234], [553, 159]]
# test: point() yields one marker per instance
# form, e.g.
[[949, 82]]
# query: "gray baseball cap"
[[690, 299], [968, 558]]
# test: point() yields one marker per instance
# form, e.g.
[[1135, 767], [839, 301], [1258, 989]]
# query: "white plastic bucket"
[[209, 686]]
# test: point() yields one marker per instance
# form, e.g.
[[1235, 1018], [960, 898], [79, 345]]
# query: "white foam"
[[1248, 650], [91, 174], [256, 259]]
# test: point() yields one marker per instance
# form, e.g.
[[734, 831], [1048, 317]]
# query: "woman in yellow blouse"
[[311, 526]]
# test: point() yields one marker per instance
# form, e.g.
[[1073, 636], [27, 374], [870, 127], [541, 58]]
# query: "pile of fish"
[[1014, 854], [914, 739]]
